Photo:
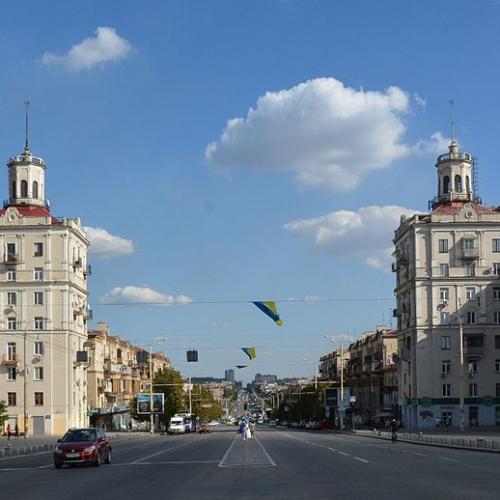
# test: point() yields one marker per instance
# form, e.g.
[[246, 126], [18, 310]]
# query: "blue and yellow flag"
[[268, 307], [249, 351], [241, 366]]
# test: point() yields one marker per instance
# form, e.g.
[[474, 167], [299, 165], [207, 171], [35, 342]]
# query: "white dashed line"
[[449, 459], [361, 460], [343, 453]]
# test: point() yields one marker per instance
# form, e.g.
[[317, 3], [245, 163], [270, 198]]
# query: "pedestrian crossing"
[[243, 454]]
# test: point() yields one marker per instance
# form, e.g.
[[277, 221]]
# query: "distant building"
[[448, 273], [229, 375], [43, 299], [259, 379]]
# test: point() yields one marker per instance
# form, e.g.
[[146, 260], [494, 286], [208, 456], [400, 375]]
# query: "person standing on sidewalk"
[[16, 431], [9, 432], [394, 430]]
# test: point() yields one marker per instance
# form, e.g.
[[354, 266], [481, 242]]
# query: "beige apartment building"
[[448, 274], [117, 372], [43, 304]]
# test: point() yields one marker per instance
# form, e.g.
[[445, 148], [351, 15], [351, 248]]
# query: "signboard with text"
[[144, 403]]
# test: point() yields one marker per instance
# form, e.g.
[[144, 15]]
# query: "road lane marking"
[[169, 462], [266, 452], [361, 460], [449, 459], [245, 454], [343, 453], [161, 451]]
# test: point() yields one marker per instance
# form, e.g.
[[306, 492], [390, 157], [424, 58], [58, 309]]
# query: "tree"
[[4, 414], [204, 404], [170, 383]]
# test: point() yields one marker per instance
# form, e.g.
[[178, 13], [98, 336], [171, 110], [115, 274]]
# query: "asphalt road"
[[279, 464]]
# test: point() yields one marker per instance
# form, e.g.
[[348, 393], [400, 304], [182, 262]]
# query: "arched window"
[[458, 184], [35, 189], [467, 184], [24, 189], [14, 194], [446, 185]]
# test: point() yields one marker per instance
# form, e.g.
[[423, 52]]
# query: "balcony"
[[469, 253], [11, 359], [11, 259], [473, 351], [87, 271]]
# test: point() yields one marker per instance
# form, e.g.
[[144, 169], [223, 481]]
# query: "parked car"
[[272, 423], [203, 427], [82, 446]]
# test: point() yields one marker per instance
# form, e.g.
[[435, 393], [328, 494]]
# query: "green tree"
[[170, 383], [204, 404], [4, 414]]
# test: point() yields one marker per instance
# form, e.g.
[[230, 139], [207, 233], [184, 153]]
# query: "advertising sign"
[[331, 397], [144, 403]]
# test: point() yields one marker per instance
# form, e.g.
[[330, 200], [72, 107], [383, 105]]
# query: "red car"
[[82, 446], [203, 428]]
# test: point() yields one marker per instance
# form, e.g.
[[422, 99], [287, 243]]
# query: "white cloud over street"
[[107, 46], [142, 295], [367, 232], [104, 244], [325, 133]]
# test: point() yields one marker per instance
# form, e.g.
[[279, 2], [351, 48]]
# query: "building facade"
[[447, 264], [43, 299], [117, 372]]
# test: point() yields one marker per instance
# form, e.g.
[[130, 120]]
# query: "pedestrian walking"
[[245, 430], [252, 430], [16, 431], [9, 432], [394, 430]]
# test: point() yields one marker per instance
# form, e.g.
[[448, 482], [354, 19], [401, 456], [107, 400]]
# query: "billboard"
[[144, 403], [331, 397]]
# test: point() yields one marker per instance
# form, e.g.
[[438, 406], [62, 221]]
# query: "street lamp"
[[333, 339]]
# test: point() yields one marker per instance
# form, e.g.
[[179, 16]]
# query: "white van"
[[176, 425]]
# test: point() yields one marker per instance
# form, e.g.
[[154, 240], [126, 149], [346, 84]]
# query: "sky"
[[221, 152]]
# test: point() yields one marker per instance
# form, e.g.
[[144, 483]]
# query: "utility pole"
[[151, 416], [189, 393], [461, 386], [25, 384]]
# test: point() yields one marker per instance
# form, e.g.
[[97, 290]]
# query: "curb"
[[402, 439]]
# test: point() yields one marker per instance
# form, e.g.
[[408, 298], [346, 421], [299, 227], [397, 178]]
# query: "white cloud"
[[142, 295], [323, 132], [367, 233], [104, 244], [437, 144], [107, 46], [420, 100]]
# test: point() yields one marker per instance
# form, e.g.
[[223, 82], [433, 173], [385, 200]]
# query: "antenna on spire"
[[452, 116], [27, 105]]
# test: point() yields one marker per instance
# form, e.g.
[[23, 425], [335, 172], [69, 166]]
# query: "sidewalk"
[[467, 440], [41, 444]]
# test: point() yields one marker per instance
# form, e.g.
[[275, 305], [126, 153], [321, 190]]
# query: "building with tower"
[[43, 304], [447, 265]]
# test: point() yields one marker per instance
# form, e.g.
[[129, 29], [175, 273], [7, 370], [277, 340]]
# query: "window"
[[470, 292], [11, 399], [444, 293], [496, 293], [11, 298], [11, 351], [11, 323], [446, 185], [11, 274], [11, 251], [444, 270], [444, 318], [495, 245], [496, 317], [38, 274], [497, 365], [446, 342], [470, 269], [469, 243], [443, 246], [497, 390], [38, 323], [497, 341], [471, 317], [35, 189], [458, 184], [24, 189], [473, 390], [446, 390], [445, 367], [38, 398], [38, 373], [496, 268], [39, 298], [11, 373], [38, 348], [38, 251], [472, 367]]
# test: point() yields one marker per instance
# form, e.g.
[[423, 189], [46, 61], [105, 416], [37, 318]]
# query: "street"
[[280, 463]]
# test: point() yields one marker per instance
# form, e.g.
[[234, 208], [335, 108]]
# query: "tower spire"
[[27, 105], [452, 119]]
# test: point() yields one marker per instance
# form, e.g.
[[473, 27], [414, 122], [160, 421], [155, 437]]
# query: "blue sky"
[[295, 199]]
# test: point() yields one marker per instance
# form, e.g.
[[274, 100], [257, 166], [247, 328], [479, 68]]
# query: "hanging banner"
[[249, 351], [269, 308]]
